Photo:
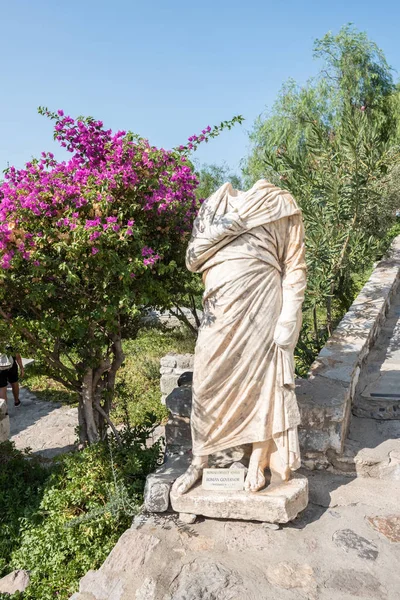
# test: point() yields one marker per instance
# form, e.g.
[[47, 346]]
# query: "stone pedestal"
[[279, 503]]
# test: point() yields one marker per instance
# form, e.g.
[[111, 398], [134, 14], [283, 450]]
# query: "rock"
[[308, 464], [207, 580], [196, 543], [186, 379], [291, 575], [179, 401], [166, 370], [158, 484], [168, 383], [239, 465], [347, 539], [187, 518], [101, 585], [147, 591], [275, 504], [156, 495], [241, 537], [358, 584], [389, 526], [16, 581], [168, 361], [273, 526], [133, 550]]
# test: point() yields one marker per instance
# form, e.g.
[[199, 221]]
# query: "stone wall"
[[4, 422], [325, 397], [172, 367]]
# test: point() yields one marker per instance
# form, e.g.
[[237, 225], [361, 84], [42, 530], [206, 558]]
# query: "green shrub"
[[138, 380], [22, 480], [65, 521]]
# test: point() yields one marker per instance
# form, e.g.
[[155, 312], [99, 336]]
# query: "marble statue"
[[249, 246]]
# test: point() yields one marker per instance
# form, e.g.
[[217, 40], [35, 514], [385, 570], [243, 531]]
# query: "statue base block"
[[279, 503]]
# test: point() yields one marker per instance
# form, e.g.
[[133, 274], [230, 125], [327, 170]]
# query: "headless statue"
[[249, 246]]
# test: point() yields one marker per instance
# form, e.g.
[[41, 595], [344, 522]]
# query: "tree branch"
[[182, 317], [105, 416], [52, 361]]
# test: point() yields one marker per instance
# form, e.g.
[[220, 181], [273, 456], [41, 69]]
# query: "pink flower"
[[151, 260], [103, 167]]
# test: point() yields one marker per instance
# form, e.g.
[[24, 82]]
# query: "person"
[[11, 376], [249, 246]]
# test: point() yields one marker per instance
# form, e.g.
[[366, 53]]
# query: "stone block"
[[4, 428], [184, 361], [318, 441], [156, 495], [377, 408], [275, 504], [321, 400], [177, 432], [168, 361], [168, 383], [3, 407], [166, 370], [158, 484], [179, 401]]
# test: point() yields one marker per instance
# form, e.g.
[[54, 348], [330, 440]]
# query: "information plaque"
[[223, 479]]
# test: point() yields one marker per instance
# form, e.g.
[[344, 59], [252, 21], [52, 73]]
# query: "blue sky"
[[164, 69]]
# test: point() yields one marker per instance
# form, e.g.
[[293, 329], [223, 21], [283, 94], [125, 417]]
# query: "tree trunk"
[[329, 315], [89, 425], [96, 396], [315, 324]]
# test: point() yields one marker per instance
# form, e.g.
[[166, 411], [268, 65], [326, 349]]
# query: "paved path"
[[45, 427], [379, 387], [373, 444]]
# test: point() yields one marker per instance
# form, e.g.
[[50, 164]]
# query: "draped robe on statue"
[[250, 248]]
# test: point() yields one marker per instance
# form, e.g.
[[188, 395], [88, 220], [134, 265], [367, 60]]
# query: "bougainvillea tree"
[[86, 244]]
